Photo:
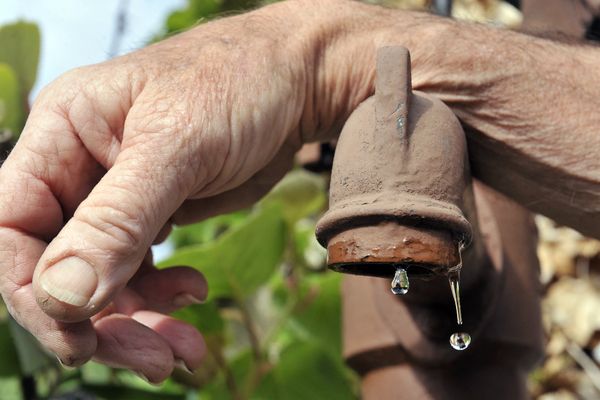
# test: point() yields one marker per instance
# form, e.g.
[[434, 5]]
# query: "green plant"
[[272, 319], [19, 55]]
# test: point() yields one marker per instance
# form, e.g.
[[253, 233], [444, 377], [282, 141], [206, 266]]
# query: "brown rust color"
[[400, 170], [402, 342], [418, 249]]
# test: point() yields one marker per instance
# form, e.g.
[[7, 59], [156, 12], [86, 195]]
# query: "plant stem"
[[229, 378], [249, 324]]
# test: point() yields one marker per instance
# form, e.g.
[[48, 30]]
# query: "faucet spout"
[[399, 175]]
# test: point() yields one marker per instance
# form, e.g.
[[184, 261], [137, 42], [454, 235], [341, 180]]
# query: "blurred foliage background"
[[272, 321]]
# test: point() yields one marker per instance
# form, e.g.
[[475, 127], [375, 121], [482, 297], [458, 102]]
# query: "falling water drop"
[[454, 279], [460, 340], [400, 282]]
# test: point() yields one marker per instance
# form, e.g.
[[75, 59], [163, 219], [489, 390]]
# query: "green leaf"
[[317, 316], [206, 317], [11, 105], [180, 20], [115, 392], [307, 249], [8, 354], [10, 388], [195, 11], [20, 48], [242, 365], [205, 8], [240, 260], [239, 5], [207, 230], [216, 390], [321, 320], [96, 373], [31, 356], [306, 371], [301, 193]]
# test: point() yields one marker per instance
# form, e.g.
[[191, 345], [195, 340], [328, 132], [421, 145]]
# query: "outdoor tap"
[[402, 200], [399, 182]]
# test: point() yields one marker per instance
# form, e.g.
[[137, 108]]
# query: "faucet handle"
[[393, 88]]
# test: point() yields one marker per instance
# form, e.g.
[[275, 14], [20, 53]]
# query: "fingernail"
[[179, 363], [72, 281], [145, 378], [64, 364], [185, 299]]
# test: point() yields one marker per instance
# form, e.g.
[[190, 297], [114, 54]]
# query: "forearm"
[[529, 104], [530, 107]]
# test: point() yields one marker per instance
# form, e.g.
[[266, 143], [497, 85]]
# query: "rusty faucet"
[[399, 174], [402, 200]]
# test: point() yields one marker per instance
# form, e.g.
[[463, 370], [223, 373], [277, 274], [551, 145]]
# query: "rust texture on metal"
[[387, 244], [400, 163], [401, 195], [406, 339]]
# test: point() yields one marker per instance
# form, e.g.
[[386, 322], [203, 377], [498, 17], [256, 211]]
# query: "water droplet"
[[460, 340], [400, 123], [454, 279], [400, 282]]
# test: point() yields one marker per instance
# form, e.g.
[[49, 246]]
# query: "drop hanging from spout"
[[400, 283], [458, 340]]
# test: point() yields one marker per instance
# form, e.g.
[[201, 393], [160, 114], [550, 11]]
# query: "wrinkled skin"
[[207, 121], [112, 154]]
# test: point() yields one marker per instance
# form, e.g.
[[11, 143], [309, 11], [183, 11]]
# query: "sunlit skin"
[[207, 121]]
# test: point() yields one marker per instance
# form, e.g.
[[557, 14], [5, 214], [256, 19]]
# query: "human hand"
[[112, 154]]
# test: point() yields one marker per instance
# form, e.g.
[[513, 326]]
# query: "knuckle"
[[122, 230], [167, 134], [155, 113], [64, 88]]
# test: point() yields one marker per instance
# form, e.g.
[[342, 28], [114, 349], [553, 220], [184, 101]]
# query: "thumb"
[[103, 244]]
